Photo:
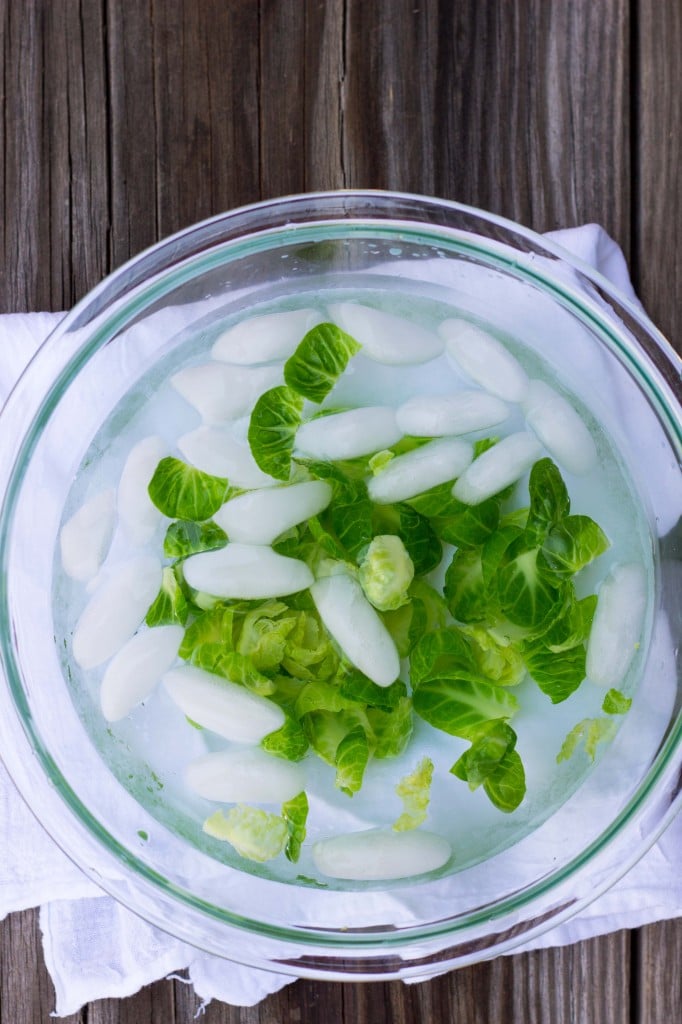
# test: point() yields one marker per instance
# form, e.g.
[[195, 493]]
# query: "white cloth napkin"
[[95, 948]]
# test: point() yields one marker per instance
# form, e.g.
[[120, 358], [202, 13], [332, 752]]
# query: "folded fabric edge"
[[43, 894], [119, 986]]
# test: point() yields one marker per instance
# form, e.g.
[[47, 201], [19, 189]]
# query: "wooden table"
[[125, 120]]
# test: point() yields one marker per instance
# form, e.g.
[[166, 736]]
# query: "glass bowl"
[[112, 806]]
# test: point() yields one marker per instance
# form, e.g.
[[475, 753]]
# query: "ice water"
[[149, 749]]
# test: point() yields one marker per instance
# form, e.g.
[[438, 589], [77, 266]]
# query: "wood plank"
[[658, 982], [281, 92], [657, 276], [26, 991], [520, 108], [132, 129], [25, 187], [657, 144], [325, 63], [53, 170], [74, 142], [587, 983], [154, 1004], [206, 109], [550, 986], [391, 109]]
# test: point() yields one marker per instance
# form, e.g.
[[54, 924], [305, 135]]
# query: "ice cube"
[[260, 516], [460, 413], [115, 611], [134, 671], [384, 337], [246, 571], [245, 775], [560, 428], [433, 463], [380, 854], [222, 706], [356, 627], [617, 625], [138, 514], [221, 392], [84, 540], [497, 468], [485, 359], [348, 435], [262, 339], [220, 453]]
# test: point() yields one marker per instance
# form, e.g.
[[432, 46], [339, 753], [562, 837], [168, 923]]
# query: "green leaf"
[[308, 650], [468, 526], [295, 815], [440, 655], [319, 695], [435, 502], [485, 753], [406, 625], [549, 500], [185, 538], [573, 625], [254, 833], [572, 545], [287, 691], [319, 361], [499, 662], [183, 492], [326, 729], [386, 572], [415, 792], [591, 732], [272, 429], [415, 532], [264, 632], [314, 546], [170, 605], [340, 472], [221, 661], [452, 520], [350, 516], [434, 604], [356, 687], [517, 517], [380, 460], [506, 786], [465, 590], [461, 705], [352, 755], [557, 674], [425, 612], [526, 597], [288, 742], [345, 528], [391, 730], [484, 444], [616, 703], [216, 625], [494, 549]]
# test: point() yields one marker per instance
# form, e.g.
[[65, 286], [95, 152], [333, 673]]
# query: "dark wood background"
[[125, 120]]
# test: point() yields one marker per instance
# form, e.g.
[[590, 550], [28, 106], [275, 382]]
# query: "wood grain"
[[121, 123], [658, 981], [521, 108], [657, 149], [26, 992]]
